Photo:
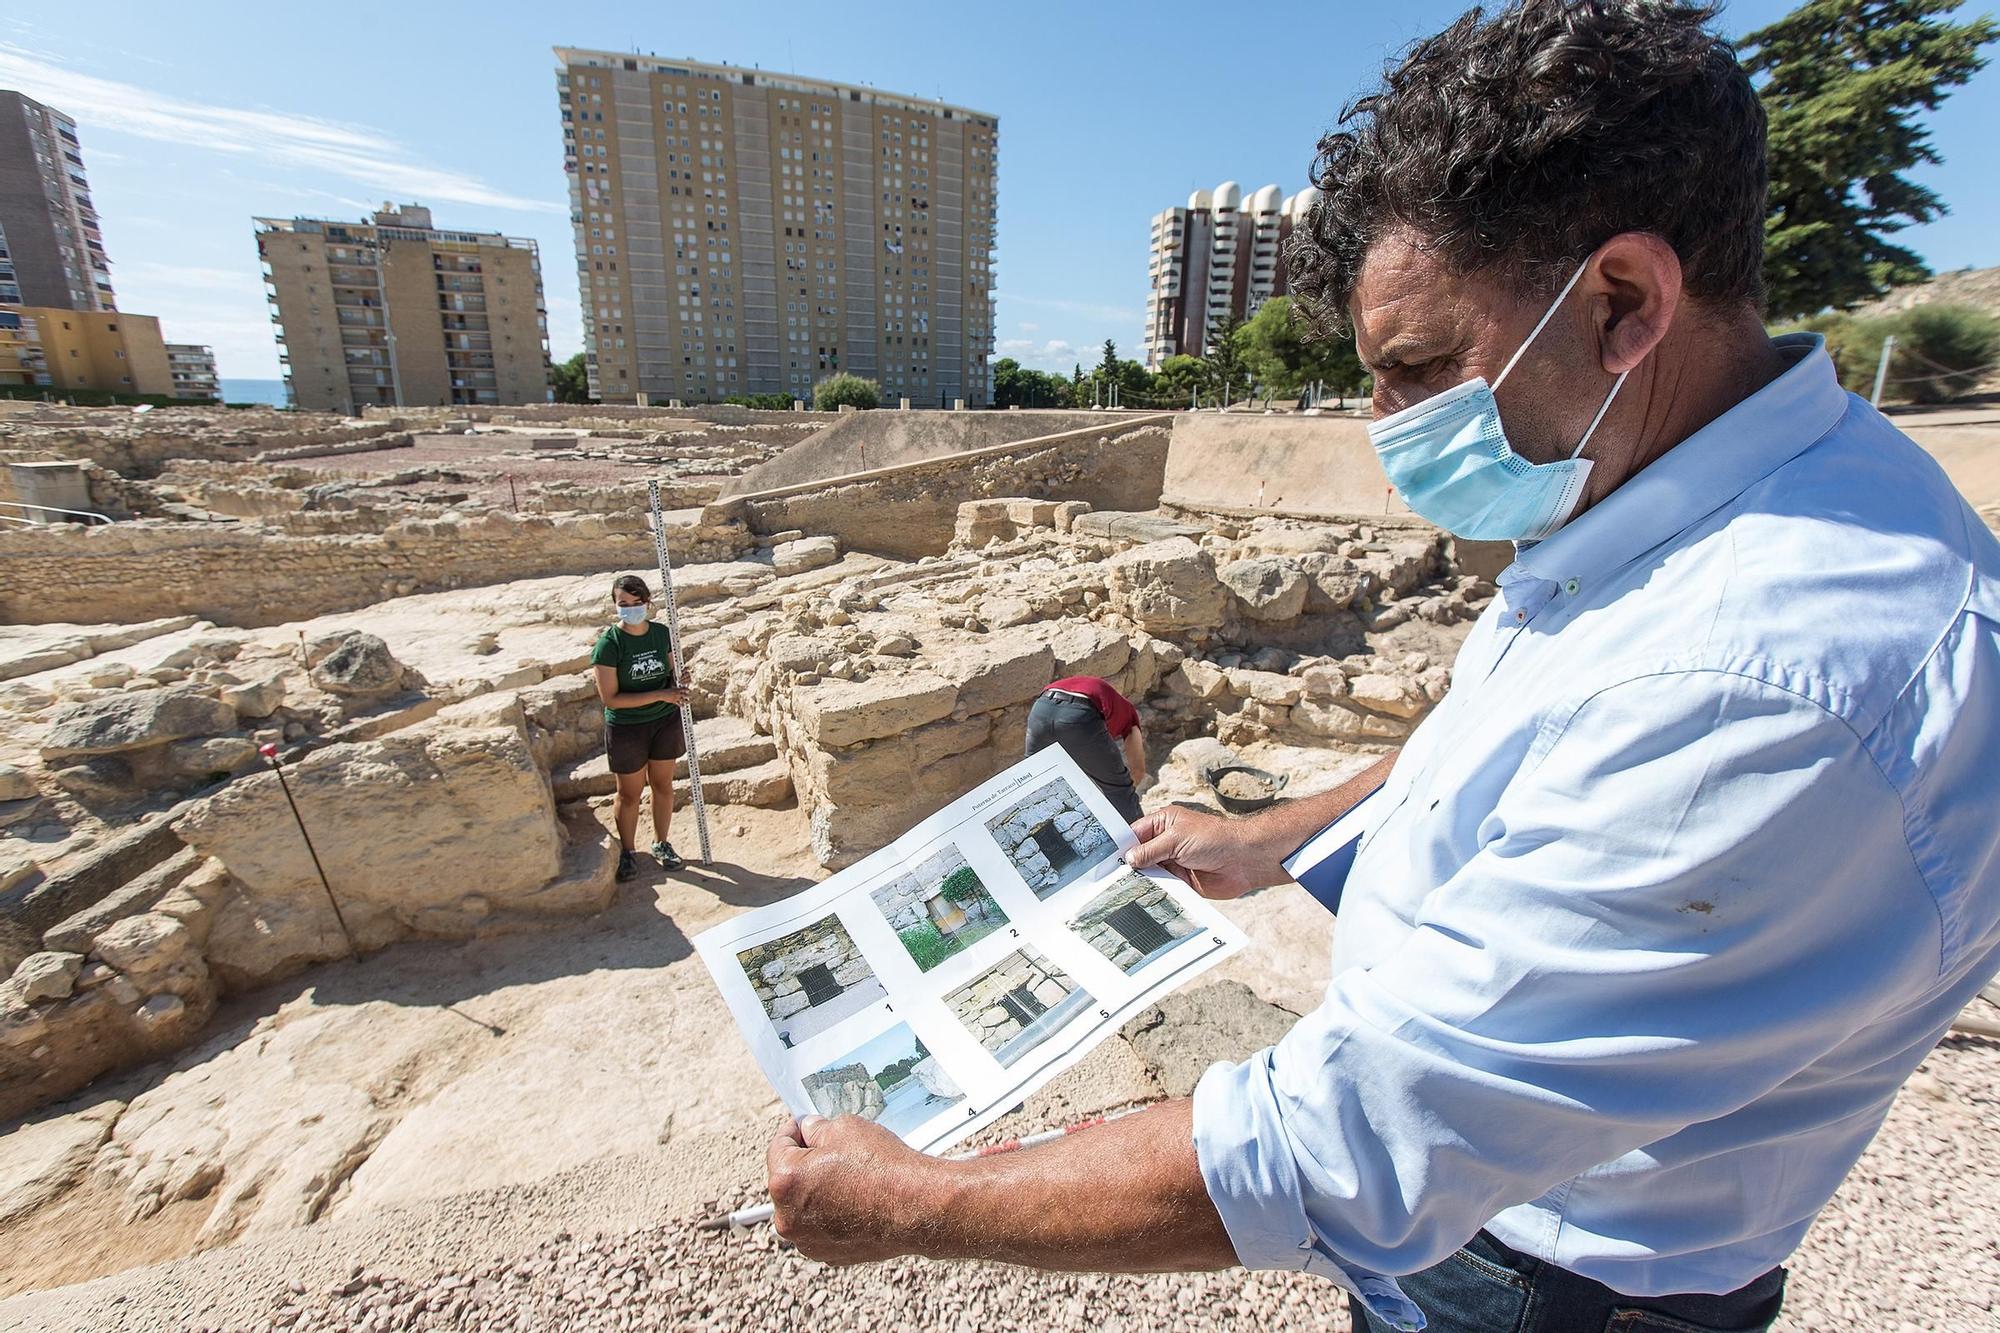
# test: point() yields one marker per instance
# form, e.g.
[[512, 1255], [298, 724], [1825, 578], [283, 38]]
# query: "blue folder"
[[1322, 864]]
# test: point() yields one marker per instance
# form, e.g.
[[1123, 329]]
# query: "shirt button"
[[1571, 587], [1520, 615]]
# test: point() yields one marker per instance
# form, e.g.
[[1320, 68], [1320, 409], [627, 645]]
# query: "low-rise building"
[[192, 366], [22, 364], [110, 351]]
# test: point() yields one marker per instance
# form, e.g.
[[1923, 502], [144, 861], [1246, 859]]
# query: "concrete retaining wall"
[[866, 441], [1321, 467]]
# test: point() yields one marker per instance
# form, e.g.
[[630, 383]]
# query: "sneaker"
[[628, 866], [669, 859]]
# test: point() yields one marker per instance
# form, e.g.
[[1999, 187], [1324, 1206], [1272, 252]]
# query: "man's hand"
[[1218, 856], [676, 696], [1226, 858], [847, 1191]]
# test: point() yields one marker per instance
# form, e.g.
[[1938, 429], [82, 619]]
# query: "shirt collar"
[[1703, 472]]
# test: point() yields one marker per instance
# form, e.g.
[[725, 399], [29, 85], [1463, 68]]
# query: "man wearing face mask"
[[1699, 857]]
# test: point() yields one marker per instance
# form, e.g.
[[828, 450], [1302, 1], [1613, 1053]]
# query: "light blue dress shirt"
[[1691, 868]]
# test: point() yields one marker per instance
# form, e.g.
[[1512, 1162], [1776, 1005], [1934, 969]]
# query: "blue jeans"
[[1488, 1288]]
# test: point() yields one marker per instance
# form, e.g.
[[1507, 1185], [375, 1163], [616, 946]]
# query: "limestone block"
[[1266, 687], [763, 785], [943, 739], [1006, 611], [258, 697], [784, 1006], [1205, 680], [1088, 649], [213, 754], [134, 720], [1324, 682], [15, 785], [796, 557], [1394, 695], [1166, 585], [845, 713], [1267, 589], [1002, 670], [351, 662], [800, 652], [145, 945], [1328, 719], [412, 820], [979, 523], [1067, 513], [49, 975], [1333, 582]]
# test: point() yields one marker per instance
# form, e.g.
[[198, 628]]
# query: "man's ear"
[[1635, 282]]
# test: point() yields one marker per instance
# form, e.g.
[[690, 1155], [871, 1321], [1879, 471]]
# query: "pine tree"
[[1842, 82]]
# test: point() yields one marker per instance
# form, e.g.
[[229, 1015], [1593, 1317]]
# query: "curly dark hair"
[[1519, 143]]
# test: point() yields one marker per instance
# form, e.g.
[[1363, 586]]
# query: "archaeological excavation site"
[[387, 1044]]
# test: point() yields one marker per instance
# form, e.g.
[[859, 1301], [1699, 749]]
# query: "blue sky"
[[195, 117]]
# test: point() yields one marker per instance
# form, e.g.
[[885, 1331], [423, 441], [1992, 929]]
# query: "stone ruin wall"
[[1053, 806], [1096, 930], [133, 952], [774, 968], [978, 1004], [846, 1090], [250, 575], [1258, 633]]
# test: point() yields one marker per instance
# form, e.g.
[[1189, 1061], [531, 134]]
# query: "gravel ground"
[[1911, 1243]]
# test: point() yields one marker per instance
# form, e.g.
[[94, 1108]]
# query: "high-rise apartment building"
[[51, 251], [740, 231], [397, 312], [1221, 256], [192, 366]]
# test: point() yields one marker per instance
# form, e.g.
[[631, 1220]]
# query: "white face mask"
[[632, 615]]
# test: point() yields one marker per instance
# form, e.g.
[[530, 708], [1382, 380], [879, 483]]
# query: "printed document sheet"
[[934, 985]]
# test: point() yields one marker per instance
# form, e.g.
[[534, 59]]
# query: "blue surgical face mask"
[[633, 615], [1449, 458]]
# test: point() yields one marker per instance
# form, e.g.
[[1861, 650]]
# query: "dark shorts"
[[1077, 726], [632, 745]]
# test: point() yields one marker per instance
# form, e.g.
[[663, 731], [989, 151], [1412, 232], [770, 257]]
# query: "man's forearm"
[[1296, 820], [1123, 1197]]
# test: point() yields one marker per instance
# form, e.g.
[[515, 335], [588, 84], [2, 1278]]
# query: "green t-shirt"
[[644, 661]]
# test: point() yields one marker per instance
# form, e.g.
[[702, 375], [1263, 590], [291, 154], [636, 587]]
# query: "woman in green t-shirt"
[[642, 695]]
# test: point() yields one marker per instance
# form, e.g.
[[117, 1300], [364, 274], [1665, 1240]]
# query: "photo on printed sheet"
[[1134, 921], [939, 907], [1051, 837], [1017, 1003], [892, 1079], [810, 979]]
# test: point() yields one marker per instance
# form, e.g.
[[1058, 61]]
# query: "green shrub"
[[927, 947], [769, 402], [845, 390], [962, 886], [1941, 350]]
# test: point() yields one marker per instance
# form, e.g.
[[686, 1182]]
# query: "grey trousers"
[[1077, 726]]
